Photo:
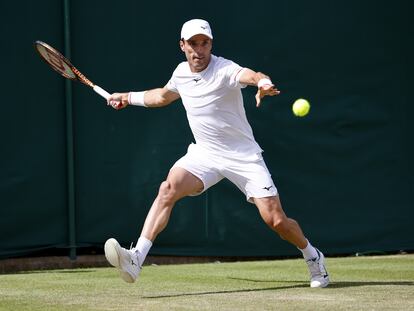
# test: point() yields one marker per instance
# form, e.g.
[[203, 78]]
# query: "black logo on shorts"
[[267, 188]]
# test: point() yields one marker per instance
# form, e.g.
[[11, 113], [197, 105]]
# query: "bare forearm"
[[158, 97], [264, 85], [251, 77]]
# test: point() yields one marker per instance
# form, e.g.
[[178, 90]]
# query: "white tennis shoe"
[[125, 260], [319, 275]]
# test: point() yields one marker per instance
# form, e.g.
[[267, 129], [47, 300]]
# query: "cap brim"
[[189, 36]]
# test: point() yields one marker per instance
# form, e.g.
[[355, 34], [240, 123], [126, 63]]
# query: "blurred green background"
[[344, 171]]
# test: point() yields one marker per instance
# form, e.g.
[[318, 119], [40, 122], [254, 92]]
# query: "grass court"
[[357, 283]]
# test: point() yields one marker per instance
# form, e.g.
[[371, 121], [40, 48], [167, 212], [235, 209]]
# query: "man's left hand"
[[265, 90]]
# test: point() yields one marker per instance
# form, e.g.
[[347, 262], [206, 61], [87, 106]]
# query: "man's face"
[[197, 50]]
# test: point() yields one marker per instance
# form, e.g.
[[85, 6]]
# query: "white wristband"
[[136, 98], [264, 81]]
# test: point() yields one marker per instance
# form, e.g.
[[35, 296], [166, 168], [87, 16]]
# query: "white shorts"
[[251, 177]]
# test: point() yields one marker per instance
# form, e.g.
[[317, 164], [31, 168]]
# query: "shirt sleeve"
[[236, 77], [233, 73], [171, 84]]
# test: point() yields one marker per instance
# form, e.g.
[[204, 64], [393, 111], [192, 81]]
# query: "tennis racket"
[[64, 67]]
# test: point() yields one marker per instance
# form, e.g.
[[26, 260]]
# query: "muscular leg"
[[179, 183], [272, 213]]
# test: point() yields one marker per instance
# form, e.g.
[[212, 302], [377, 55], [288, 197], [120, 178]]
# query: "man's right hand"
[[118, 100]]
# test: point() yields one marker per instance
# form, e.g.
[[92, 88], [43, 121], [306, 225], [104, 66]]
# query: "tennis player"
[[210, 89]]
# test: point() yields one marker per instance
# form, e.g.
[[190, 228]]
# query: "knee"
[[279, 223], [276, 222], [167, 193]]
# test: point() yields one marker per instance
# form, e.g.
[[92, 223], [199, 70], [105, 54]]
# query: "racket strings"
[[82, 78]]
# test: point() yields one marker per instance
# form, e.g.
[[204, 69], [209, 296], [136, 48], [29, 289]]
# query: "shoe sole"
[[126, 277], [326, 281], [318, 284], [111, 252]]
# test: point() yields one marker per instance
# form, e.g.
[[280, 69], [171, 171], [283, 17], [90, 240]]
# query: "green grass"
[[358, 283]]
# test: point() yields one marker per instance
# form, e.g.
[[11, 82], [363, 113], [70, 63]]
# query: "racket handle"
[[101, 92]]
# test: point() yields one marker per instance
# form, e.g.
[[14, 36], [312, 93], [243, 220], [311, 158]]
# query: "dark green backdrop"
[[344, 172]]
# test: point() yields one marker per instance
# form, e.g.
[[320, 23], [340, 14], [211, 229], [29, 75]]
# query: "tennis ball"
[[301, 107]]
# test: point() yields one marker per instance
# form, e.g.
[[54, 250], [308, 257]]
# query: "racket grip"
[[101, 91]]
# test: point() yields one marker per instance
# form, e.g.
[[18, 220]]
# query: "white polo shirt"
[[215, 110]]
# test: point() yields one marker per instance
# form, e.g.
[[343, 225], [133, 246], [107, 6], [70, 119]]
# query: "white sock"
[[309, 252], [143, 246]]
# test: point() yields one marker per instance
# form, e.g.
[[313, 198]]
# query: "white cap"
[[196, 27]]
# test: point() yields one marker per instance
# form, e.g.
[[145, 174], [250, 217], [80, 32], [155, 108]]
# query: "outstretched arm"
[[152, 98], [262, 81]]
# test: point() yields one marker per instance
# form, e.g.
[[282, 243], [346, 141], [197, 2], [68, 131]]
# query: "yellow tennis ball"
[[301, 107]]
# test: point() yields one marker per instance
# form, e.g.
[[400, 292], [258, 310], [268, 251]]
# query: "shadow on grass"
[[369, 283], [337, 284], [231, 291], [342, 284], [55, 271], [296, 284]]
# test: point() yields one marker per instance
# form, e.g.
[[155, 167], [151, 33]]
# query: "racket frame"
[[61, 64]]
